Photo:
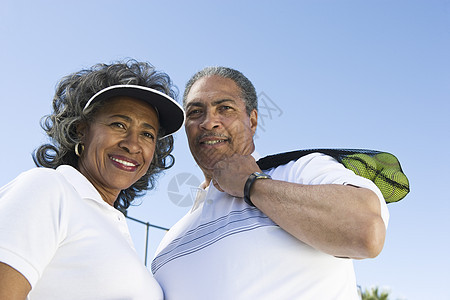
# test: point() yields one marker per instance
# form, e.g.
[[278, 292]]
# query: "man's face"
[[217, 124]]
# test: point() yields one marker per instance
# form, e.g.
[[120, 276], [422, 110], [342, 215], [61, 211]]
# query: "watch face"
[[261, 175]]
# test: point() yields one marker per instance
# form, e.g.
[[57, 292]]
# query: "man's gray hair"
[[247, 88]]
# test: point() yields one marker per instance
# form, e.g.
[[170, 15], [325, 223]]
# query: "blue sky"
[[344, 74]]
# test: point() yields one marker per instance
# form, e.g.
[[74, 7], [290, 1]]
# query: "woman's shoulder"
[[36, 180], [40, 174], [39, 171]]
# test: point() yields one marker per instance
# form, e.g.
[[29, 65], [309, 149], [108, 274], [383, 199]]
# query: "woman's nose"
[[130, 142]]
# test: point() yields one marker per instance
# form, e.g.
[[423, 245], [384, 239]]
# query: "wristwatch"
[[248, 185]]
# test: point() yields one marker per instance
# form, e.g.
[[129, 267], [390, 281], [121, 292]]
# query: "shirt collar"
[[200, 196], [81, 184]]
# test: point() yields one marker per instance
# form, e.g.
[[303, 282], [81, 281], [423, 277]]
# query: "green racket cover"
[[382, 168]]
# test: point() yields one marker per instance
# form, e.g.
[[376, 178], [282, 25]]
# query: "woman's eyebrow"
[[128, 119]]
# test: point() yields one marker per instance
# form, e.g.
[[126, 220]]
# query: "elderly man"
[[289, 232]]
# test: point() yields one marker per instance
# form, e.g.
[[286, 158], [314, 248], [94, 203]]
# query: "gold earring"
[[77, 145]]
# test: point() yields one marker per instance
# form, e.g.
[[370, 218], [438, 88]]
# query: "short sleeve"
[[31, 210], [317, 168]]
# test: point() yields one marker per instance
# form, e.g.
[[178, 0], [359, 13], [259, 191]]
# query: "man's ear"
[[253, 120]]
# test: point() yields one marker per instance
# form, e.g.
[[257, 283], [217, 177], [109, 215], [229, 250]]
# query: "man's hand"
[[231, 173]]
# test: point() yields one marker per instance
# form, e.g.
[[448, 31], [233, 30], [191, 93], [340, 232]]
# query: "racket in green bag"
[[382, 168]]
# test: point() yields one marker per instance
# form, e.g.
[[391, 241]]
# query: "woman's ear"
[[81, 130]]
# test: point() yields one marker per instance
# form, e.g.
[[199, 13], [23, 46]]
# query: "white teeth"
[[126, 163], [213, 142]]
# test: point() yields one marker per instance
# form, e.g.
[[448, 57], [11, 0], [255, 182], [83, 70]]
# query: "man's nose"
[[210, 121]]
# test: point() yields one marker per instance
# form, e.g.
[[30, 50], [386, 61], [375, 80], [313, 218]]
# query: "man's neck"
[[207, 181]]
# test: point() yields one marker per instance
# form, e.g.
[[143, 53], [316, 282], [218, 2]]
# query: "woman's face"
[[118, 145]]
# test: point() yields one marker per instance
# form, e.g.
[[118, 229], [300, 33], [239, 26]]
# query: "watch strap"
[[248, 185]]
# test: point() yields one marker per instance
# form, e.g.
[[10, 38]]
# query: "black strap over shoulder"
[[382, 168]]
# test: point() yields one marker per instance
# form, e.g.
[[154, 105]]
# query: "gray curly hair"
[[246, 86], [72, 94]]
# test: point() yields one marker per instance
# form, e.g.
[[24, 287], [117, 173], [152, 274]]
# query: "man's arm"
[[13, 285], [340, 220]]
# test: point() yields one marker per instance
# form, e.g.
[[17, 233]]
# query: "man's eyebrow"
[[214, 103], [218, 102], [194, 103]]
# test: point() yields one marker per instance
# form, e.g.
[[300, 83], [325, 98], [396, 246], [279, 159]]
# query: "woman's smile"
[[124, 163]]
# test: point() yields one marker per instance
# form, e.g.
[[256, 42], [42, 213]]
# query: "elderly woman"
[[62, 232]]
